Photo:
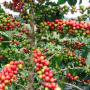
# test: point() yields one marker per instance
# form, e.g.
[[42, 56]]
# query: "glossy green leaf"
[[72, 2], [85, 52], [1, 10], [88, 58], [61, 1]]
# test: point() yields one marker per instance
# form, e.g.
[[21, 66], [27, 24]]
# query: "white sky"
[[84, 2]]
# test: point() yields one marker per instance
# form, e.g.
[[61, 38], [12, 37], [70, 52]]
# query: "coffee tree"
[[55, 51]]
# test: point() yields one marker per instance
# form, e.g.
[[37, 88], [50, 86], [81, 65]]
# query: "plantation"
[[41, 49]]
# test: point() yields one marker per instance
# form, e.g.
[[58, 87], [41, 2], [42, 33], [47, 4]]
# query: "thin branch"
[[68, 69], [74, 86], [21, 86], [83, 82], [40, 88], [6, 41], [51, 56], [71, 68]]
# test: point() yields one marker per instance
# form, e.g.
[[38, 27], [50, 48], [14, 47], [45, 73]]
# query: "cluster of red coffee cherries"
[[8, 74], [17, 5], [17, 43], [73, 56], [86, 81], [82, 60], [44, 72], [21, 33], [70, 27], [9, 23], [26, 31], [74, 45], [79, 45], [72, 77], [75, 78], [26, 50]]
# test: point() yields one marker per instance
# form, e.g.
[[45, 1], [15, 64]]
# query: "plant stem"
[[73, 86], [21, 86], [51, 56], [71, 68], [32, 44]]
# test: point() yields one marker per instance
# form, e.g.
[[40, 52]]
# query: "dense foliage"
[[42, 50]]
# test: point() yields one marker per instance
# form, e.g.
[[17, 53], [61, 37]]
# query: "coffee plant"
[[42, 50], [14, 49]]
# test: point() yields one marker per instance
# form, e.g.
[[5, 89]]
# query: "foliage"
[[47, 11], [60, 46], [69, 46], [14, 47]]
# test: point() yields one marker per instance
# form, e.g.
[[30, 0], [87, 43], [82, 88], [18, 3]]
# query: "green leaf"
[[5, 35], [61, 1], [1, 10], [85, 52], [88, 58], [72, 2]]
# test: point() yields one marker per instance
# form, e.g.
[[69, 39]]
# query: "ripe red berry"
[[47, 79], [69, 75]]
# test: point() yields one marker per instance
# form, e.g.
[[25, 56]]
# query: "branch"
[[68, 69], [21, 86], [6, 41], [40, 88], [51, 56], [71, 68], [74, 86]]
